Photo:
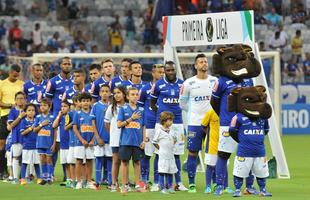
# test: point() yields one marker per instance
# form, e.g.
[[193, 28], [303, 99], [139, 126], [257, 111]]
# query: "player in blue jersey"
[[94, 74], [135, 69], [8, 155], [35, 88], [150, 121], [46, 140], [124, 74], [236, 66], [165, 97], [78, 87], [102, 149], [30, 154], [84, 150], [131, 121], [15, 116], [108, 70], [61, 121]]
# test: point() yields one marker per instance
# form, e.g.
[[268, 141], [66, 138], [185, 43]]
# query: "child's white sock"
[[15, 166]]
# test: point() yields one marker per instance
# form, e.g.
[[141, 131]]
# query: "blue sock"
[[249, 180], [145, 168], [220, 169], [23, 171], [37, 169], [109, 169], [261, 182], [98, 169], [54, 158], [214, 175], [178, 174], [64, 171], [161, 178], [210, 171], [49, 171], [226, 178], [156, 176], [191, 168], [169, 180], [238, 182], [105, 168], [44, 171]]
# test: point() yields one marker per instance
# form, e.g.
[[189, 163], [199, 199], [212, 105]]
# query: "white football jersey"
[[115, 133], [195, 98], [166, 142]]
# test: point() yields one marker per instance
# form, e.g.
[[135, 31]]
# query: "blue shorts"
[[115, 149], [130, 152], [45, 151], [194, 138]]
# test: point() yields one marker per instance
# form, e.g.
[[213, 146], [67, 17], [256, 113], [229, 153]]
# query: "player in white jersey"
[[195, 100]]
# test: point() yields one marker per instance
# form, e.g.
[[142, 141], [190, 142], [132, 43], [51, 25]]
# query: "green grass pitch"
[[298, 187]]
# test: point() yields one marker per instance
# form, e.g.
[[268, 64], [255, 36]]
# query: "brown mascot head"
[[250, 101], [236, 62]]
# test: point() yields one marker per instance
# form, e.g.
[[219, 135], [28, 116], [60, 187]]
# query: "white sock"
[[15, 166], [27, 171], [31, 169]]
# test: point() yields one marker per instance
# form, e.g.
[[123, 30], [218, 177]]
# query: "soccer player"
[[150, 121], [84, 150], [15, 116], [60, 122], [119, 99], [165, 97], [108, 70], [164, 140], [135, 69], [46, 140], [195, 100], [94, 74], [35, 88], [124, 74], [102, 149], [131, 121], [211, 125], [30, 154], [78, 87]]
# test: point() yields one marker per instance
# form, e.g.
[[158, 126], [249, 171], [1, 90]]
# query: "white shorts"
[[70, 157], [226, 143], [64, 156], [30, 157], [80, 152], [9, 157], [258, 165], [178, 131], [149, 148], [105, 150], [16, 149], [167, 166], [210, 159]]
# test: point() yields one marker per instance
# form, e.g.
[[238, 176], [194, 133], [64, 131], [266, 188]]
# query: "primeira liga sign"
[[209, 29]]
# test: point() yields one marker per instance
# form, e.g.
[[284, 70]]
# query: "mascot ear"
[[232, 100], [220, 50], [217, 64], [260, 88], [246, 48]]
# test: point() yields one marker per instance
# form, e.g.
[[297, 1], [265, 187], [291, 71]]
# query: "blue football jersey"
[[87, 87], [16, 136], [55, 89], [98, 113], [167, 95], [8, 143], [69, 94], [149, 114], [129, 84], [251, 135], [45, 137], [30, 139], [64, 135], [116, 81], [84, 124], [96, 85], [34, 92], [72, 136], [131, 134], [221, 91]]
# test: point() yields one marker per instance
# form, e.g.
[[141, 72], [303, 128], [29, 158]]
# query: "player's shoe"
[[250, 191], [31, 177], [23, 181], [219, 190], [228, 190], [68, 183], [39, 181], [49, 182], [128, 187], [43, 182], [171, 191], [237, 193], [113, 188], [180, 187], [15, 181], [208, 190], [192, 188], [155, 187], [8, 180], [264, 193], [90, 185], [79, 185], [124, 190], [164, 191], [141, 187]]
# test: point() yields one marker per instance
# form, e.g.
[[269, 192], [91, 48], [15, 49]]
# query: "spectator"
[[15, 50], [299, 15], [73, 10], [52, 7], [37, 37], [116, 23], [116, 39], [258, 18], [297, 47], [276, 42], [94, 49], [216, 6], [81, 49], [4, 69], [292, 72], [2, 29], [130, 26], [15, 33], [272, 18], [306, 66], [3, 54], [54, 42], [62, 47]]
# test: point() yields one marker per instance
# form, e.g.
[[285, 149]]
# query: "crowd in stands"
[[91, 26]]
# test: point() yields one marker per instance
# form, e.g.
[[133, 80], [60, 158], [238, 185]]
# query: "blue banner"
[[295, 119]]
